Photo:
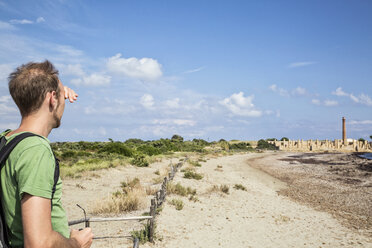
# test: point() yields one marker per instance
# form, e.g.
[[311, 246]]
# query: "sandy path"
[[258, 217]]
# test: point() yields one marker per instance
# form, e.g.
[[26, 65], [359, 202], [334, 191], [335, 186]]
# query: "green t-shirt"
[[30, 169]]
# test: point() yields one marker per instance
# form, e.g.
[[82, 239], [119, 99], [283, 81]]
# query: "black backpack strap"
[[56, 177], [7, 149]]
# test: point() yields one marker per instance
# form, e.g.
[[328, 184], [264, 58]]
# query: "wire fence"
[[156, 202]]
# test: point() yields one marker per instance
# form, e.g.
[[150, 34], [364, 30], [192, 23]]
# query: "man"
[[27, 177]]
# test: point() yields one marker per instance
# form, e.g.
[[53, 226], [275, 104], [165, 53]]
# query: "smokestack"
[[344, 131]]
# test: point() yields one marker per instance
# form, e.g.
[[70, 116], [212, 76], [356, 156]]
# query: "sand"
[[261, 216]]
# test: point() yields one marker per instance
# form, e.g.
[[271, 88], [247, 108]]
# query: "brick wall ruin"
[[323, 145]]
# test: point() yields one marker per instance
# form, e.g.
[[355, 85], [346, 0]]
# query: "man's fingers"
[[70, 94]]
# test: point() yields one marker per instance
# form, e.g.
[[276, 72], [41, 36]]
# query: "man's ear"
[[53, 101]]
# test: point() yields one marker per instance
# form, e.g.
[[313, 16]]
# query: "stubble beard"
[[57, 120]]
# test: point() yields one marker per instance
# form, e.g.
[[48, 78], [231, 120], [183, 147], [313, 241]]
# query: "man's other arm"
[[37, 226]]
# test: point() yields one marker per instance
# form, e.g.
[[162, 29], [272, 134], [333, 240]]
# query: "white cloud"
[[12, 125], [194, 70], [23, 21], [94, 79], [240, 105], [364, 122], [173, 103], [144, 68], [330, 103], [68, 51], [5, 70], [301, 64], [5, 109], [273, 87], [147, 101], [299, 91], [6, 26], [362, 98], [339, 92], [71, 69], [178, 122], [5, 99], [365, 99], [327, 103], [281, 91], [40, 19], [315, 101], [354, 98]]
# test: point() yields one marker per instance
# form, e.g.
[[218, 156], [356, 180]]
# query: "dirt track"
[[265, 215]]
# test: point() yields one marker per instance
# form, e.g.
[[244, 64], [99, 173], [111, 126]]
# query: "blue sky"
[[202, 69]]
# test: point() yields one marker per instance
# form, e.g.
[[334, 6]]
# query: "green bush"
[[139, 160], [240, 146], [118, 148], [194, 163], [177, 203], [192, 175], [263, 144], [177, 138], [240, 187], [143, 234], [68, 154], [178, 189], [148, 150]]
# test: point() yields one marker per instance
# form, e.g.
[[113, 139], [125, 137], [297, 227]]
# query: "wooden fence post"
[[135, 243], [152, 221]]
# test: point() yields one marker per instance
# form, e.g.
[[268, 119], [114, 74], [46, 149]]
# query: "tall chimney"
[[344, 131]]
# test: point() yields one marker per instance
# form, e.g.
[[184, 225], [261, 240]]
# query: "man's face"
[[60, 106]]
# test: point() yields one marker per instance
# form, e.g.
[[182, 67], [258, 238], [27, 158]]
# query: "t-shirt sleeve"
[[35, 172]]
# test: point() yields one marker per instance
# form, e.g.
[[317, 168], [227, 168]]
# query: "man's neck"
[[35, 124]]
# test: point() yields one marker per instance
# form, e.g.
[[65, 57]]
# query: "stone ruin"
[[325, 145]]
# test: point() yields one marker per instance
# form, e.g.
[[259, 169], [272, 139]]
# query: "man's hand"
[[83, 237], [70, 94]]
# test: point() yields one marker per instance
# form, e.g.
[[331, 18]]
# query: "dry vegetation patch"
[[131, 197]]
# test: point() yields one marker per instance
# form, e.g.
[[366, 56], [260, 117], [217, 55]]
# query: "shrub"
[[177, 138], [143, 234], [177, 203], [284, 139], [178, 189], [224, 188], [148, 150], [361, 139], [240, 187], [224, 145], [139, 160], [240, 146], [263, 144], [68, 154], [120, 202], [194, 163], [118, 148], [192, 175], [130, 185]]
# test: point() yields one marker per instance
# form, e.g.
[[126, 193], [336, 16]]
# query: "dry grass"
[[131, 197], [151, 190], [218, 189]]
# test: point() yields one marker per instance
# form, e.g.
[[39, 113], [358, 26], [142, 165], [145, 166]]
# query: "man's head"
[[30, 84]]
